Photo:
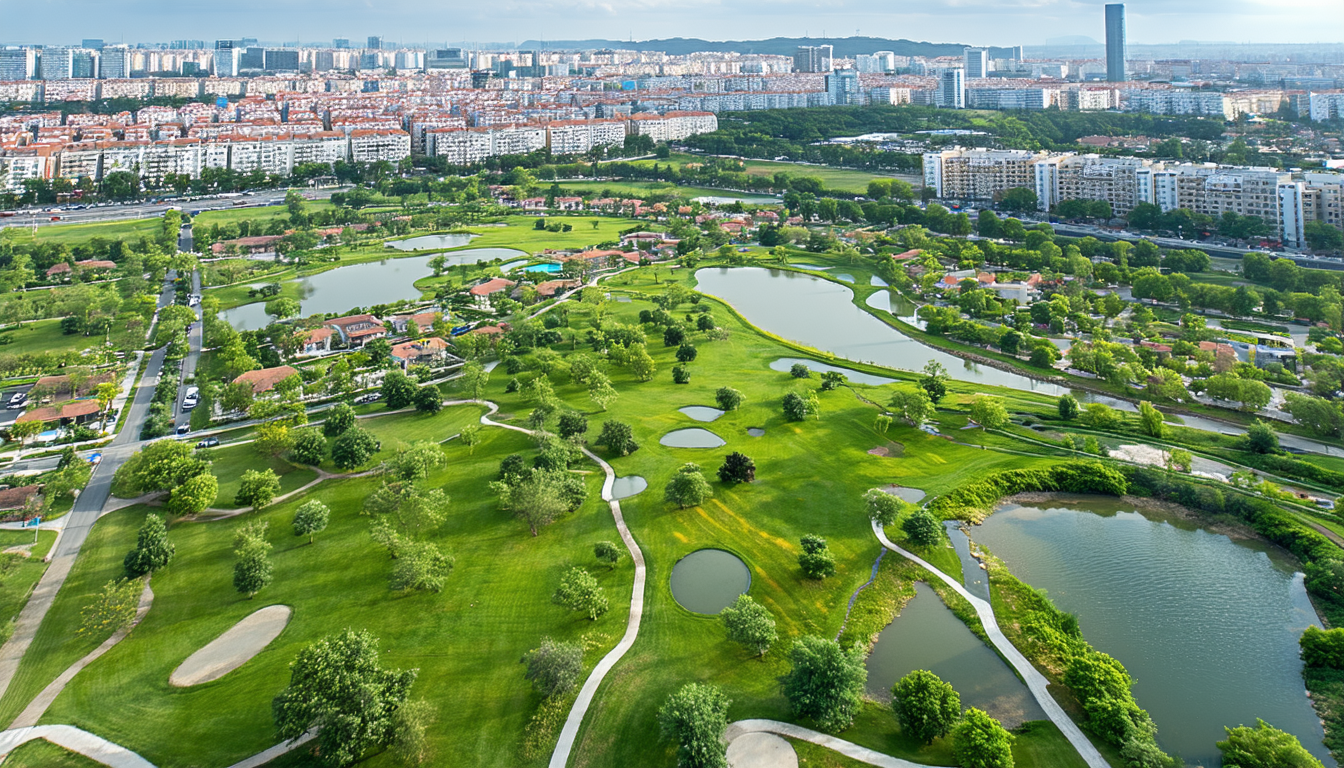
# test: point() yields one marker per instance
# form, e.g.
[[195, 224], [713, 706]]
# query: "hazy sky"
[[977, 22]]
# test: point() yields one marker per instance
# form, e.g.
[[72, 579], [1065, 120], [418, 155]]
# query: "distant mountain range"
[[845, 47]]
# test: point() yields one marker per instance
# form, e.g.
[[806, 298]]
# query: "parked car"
[[209, 442], [17, 400], [192, 398], [183, 429], [371, 397]]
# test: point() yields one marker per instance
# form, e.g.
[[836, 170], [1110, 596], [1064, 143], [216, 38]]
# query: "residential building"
[[1322, 106], [976, 62], [114, 62], [18, 63], [281, 60], [316, 342], [569, 137], [843, 88], [431, 351], [58, 62], [813, 58], [951, 93], [357, 330], [265, 379], [1115, 43], [978, 174]]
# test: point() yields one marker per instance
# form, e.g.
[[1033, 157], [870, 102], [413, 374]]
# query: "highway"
[[40, 216]]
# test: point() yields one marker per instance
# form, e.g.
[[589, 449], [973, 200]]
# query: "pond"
[[927, 635], [701, 412], [1289, 441], [709, 580], [755, 432], [424, 242], [820, 314], [899, 306], [343, 289], [630, 485], [1207, 626], [691, 438], [361, 285], [910, 495]]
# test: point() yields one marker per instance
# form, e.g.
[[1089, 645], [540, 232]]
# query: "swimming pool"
[[547, 268]]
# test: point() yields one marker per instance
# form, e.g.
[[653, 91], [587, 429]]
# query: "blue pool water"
[[548, 268]]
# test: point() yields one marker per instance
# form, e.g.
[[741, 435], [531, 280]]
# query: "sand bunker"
[[232, 649]]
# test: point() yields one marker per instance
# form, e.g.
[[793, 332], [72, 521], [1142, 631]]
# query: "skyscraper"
[[951, 93], [977, 63], [843, 87], [374, 43], [17, 63], [811, 58], [115, 63], [1115, 42]]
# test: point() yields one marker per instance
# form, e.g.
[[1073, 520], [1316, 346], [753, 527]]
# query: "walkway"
[[848, 749], [1035, 681], [38, 706], [565, 745], [75, 740]]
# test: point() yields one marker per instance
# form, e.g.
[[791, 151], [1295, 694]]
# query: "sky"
[[974, 22]]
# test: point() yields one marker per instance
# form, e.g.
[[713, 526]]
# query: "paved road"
[[194, 339], [42, 218]]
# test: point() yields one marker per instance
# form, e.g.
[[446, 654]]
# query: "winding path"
[[69, 737], [1035, 681], [847, 748], [570, 731]]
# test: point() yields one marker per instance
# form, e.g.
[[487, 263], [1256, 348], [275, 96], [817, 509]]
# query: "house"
[[550, 288], [431, 351], [17, 499], [265, 379], [482, 292], [248, 245], [68, 412], [914, 253], [1264, 355], [1019, 292], [569, 203], [357, 330], [61, 387], [492, 331], [316, 342], [423, 320], [533, 204], [594, 257], [89, 265]]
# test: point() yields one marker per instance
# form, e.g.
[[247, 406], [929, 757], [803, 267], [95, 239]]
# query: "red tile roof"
[[265, 379]]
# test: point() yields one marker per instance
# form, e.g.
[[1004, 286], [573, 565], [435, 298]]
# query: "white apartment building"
[[1179, 103], [459, 146], [674, 126], [1326, 106], [977, 174], [371, 146], [176, 156], [571, 137], [1091, 177], [1012, 98]]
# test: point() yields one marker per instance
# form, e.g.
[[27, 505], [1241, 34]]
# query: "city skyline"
[[972, 22]]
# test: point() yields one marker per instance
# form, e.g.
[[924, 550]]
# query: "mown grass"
[[23, 574], [70, 234], [230, 462], [466, 641], [41, 753]]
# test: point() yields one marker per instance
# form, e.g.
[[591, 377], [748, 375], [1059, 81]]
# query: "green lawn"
[[44, 336], [230, 462], [126, 229], [642, 188], [520, 233], [19, 574], [259, 213], [43, 754], [840, 179]]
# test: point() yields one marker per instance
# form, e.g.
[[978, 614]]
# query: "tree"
[[1101, 416], [159, 466], [428, 400], [420, 565], [696, 716], [1151, 421], [398, 390], [688, 487], [258, 488], [471, 437], [113, 609], [618, 437], [338, 687], [882, 507], [1018, 199], [989, 412], [979, 741], [311, 519], [934, 381], [252, 572], [578, 591], [340, 419], [816, 559], [922, 528], [913, 405], [1260, 438], [554, 667], [926, 706], [283, 307], [607, 552], [474, 378], [152, 548], [353, 448], [825, 682], [534, 497], [800, 371], [1264, 747], [22, 430], [728, 399], [795, 407], [687, 353], [1068, 407], [641, 365], [573, 426], [750, 624], [681, 374], [193, 496], [273, 438], [737, 468], [310, 447]]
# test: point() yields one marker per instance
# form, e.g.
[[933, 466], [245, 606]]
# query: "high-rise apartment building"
[[253, 58], [17, 63], [281, 60], [1115, 42], [951, 93], [843, 88], [813, 58], [228, 58], [92, 43], [446, 58], [341, 43], [977, 63], [83, 64], [57, 63], [374, 43], [114, 63]]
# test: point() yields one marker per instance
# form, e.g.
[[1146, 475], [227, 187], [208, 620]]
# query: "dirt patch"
[[888, 448], [880, 450], [234, 648]]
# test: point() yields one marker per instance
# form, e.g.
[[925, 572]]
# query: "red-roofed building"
[[248, 245], [431, 351], [265, 379], [69, 412], [482, 293], [907, 255], [422, 320], [316, 342], [357, 330]]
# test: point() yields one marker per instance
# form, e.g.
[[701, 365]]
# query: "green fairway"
[[520, 233], [44, 336], [645, 188], [247, 213], [70, 234], [44, 754], [232, 461], [839, 179]]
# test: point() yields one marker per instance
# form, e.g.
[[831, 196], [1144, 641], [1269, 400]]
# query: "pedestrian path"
[[847, 748], [76, 740], [1035, 681]]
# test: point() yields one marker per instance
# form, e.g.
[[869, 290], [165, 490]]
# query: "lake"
[[360, 285], [1207, 626], [820, 314], [425, 242]]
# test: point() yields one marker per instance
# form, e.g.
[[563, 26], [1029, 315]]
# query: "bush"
[[737, 468], [696, 716], [1322, 647], [800, 371], [816, 559], [340, 418], [728, 399], [554, 668], [825, 682], [152, 548], [922, 528], [681, 374], [353, 449]]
